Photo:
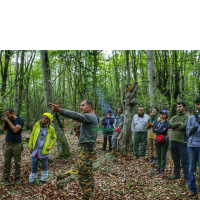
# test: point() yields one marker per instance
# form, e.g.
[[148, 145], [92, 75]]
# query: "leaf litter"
[[118, 178]]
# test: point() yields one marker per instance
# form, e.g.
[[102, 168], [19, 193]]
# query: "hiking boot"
[[113, 151], [162, 173], [154, 161], [6, 181], [175, 177], [42, 182], [157, 172], [17, 180], [136, 157], [191, 194], [92, 195], [151, 159]]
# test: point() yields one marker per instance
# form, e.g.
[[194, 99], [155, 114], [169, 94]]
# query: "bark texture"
[[63, 147]]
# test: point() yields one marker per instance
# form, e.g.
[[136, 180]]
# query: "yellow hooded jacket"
[[50, 134]]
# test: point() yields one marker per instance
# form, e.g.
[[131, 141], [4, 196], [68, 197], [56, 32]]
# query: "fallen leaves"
[[120, 177]]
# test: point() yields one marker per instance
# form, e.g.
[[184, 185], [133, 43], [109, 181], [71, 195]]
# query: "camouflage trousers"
[[85, 169], [13, 150], [114, 139]]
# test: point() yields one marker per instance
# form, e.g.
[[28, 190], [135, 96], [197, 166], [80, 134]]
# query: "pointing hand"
[[55, 107]]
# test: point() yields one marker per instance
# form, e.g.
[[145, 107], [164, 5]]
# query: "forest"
[[30, 79]]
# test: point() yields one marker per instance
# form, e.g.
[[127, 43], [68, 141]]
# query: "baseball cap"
[[164, 112]]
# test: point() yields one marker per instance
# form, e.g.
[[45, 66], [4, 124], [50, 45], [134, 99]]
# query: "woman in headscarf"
[[151, 135]]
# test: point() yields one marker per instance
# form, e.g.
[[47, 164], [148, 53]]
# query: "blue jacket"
[[161, 129], [105, 124], [194, 140]]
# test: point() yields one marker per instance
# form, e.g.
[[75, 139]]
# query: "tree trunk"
[[94, 79], [16, 82], [21, 85], [63, 147], [151, 77], [125, 137], [117, 89]]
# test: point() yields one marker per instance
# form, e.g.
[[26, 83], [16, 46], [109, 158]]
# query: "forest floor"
[[120, 177]]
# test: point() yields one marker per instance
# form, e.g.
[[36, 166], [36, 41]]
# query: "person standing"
[[40, 146], [117, 126], [178, 124], [162, 141], [107, 122], [86, 145], [139, 129], [193, 132], [151, 135], [13, 146]]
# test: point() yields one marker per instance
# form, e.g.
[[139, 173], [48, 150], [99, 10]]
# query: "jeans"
[[35, 164], [179, 153], [194, 158]]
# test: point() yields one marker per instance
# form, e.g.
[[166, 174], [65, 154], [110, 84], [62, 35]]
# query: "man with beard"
[[139, 129], [13, 147], [86, 144]]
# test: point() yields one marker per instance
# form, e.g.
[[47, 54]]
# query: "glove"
[[193, 130]]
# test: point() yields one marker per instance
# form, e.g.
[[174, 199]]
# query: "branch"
[[33, 122]]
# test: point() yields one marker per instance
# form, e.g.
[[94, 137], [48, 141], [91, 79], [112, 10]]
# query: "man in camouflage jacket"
[[117, 126]]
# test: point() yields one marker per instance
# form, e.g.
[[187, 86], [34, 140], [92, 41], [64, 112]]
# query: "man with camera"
[[13, 147], [193, 132]]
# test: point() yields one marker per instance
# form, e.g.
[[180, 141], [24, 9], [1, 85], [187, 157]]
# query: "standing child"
[[40, 146]]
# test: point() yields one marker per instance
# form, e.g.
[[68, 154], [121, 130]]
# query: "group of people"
[[39, 145], [42, 140], [112, 128], [185, 142]]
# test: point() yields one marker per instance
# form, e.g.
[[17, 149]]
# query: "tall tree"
[[63, 147], [151, 79]]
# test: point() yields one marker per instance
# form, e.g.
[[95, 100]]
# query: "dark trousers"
[[179, 154], [161, 152], [105, 138], [13, 150], [139, 137]]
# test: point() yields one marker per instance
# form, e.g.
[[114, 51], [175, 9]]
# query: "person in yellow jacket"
[[40, 146], [151, 135]]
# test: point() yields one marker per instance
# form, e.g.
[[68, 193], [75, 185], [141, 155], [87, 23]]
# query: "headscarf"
[[153, 118]]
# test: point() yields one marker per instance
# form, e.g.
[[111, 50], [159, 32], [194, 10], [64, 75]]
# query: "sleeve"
[[31, 138], [86, 118], [175, 124], [132, 125], [103, 122], [121, 121], [188, 126], [114, 124], [184, 125], [53, 138], [21, 122], [162, 130]]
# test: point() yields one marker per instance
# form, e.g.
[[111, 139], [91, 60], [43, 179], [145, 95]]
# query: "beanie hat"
[[197, 100]]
